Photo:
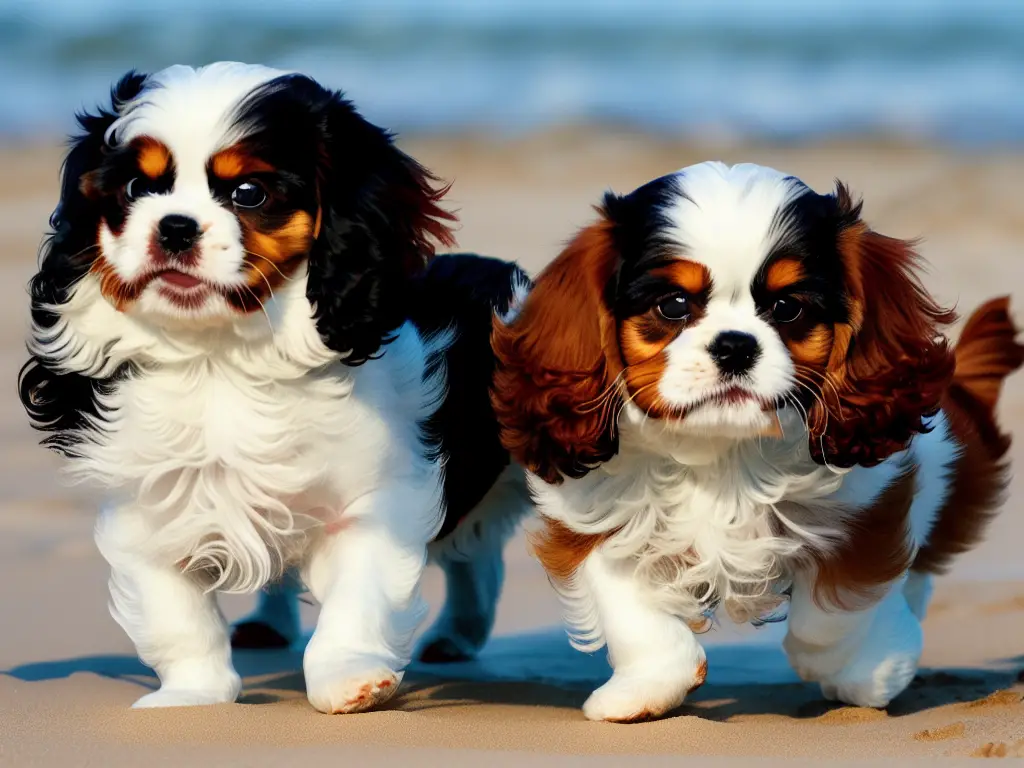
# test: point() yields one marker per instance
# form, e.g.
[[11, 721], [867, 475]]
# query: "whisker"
[[269, 261], [817, 397], [632, 399], [264, 309], [597, 402], [826, 378], [265, 280], [830, 412], [84, 250]]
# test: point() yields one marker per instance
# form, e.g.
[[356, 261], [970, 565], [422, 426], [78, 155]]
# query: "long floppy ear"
[[379, 222], [890, 362], [554, 388], [59, 401], [69, 250]]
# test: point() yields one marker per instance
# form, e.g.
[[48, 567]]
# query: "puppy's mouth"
[[182, 289], [730, 396], [767, 423], [178, 280]]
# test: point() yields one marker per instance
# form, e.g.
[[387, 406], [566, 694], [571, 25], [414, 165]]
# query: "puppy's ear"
[[70, 249], [378, 225], [890, 363], [554, 389], [58, 401]]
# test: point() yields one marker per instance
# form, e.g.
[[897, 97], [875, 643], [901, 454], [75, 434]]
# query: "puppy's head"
[[199, 193], [710, 300]]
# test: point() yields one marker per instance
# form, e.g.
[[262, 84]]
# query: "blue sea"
[[779, 70]]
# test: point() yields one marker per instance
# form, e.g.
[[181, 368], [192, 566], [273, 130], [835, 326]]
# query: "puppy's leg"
[[367, 579], [866, 657], [918, 591], [656, 659], [473, 584], [177, 628], [275, 622], [474, 570]]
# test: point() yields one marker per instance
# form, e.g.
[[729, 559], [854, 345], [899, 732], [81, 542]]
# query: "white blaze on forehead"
[[191, 110], [726, 218]]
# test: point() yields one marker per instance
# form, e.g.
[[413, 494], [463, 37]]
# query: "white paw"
[[871, 685], [351, 688], [182, 697], [870, 672], [631, 697]]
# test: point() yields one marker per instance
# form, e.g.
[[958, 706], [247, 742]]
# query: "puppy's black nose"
[[178, 233], [734, 352]]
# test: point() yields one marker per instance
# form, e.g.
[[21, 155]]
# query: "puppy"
[[730, 391], [235, 336]]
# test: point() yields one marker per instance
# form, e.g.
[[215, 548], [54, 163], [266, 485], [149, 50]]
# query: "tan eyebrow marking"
[[688, 275], [234, 161], [154, 158], [783, 273]]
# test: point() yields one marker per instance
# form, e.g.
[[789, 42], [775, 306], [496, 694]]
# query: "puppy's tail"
[[986, 354]]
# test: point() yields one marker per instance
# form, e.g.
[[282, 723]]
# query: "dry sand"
[[68, 674]]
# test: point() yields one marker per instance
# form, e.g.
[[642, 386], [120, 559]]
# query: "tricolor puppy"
[[729, 390], [234, 334]]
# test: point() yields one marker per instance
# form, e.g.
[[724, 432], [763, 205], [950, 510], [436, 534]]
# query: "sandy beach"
[[68, 674]]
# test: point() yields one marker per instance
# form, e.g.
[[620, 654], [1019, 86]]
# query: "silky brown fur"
[[890, 364], [561, 550], [875, 550], [555, 392], [985, 355]]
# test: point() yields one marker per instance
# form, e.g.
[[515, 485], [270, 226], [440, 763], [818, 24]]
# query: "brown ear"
[[555, 389], [890, 363]]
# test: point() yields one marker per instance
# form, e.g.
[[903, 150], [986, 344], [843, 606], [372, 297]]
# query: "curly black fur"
[[64, 403]]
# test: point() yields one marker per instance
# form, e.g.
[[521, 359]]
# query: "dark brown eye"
[[248, 195], [674, 308], [137, 188], [786, 310]]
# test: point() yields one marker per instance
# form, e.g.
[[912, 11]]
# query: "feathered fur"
[[271, 394], [731, 393]]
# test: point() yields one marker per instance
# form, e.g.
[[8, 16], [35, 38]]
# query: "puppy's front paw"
[[182, 697], [633, 696], [348, 688]]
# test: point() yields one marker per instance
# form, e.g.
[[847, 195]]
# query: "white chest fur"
[[238, 473], [715, 529], [234, 451]]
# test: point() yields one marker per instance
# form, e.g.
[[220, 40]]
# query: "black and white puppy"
[[236, 335]]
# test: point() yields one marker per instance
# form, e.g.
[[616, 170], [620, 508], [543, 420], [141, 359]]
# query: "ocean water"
[[943, 70]]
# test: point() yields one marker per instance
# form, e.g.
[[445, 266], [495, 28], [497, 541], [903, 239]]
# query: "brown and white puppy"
[[729, 390]]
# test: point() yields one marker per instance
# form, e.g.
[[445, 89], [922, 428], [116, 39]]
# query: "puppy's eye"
[[674, 308], [786, 310], [248, 195], [137, 188]]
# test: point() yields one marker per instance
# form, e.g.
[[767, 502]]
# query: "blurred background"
[[947, 70], [533, 108]]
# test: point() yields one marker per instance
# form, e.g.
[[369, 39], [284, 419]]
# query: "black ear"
[[59, 401], [380, 220], [69, 250]]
